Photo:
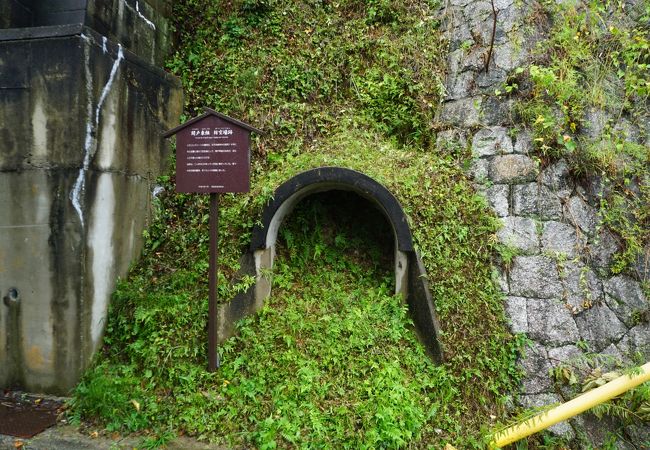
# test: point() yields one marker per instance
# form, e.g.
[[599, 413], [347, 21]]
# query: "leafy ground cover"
[[351, 84], [330, 362]]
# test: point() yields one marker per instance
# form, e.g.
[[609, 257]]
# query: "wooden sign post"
[[212, 157]]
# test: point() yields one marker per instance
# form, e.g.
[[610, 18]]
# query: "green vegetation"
[[331, 361], [351, 84], [590, 84]]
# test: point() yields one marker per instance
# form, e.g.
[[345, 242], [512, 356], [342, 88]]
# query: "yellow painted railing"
[[569, 409], [572, 408]]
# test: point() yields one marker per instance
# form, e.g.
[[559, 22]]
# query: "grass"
[[341, 365], [331, 361]]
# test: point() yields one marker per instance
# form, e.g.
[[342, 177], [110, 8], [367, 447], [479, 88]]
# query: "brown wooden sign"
[[212, 154], [212, 157]]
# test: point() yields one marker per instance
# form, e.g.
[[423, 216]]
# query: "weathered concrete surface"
[[141, 26], [79, 149]]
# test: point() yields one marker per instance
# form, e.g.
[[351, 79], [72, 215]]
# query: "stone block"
[[560, 238], [478, 14], [581, 214], [601, 430], [536, 368], [558, 179], [519, 233], [460, 3], [603, 248], [491, 141], [567, 355], [582, 288], [496, 110], [638, 341], [458, 30], [478, 169], [562, 429], [638, 433], [459, 85], [455, 61], [510, 19], [551, 323], [490, 81], [461, 113], [596, 186], [600, 327], [535, 277], [624, 296], [512, 168], [533, 199], [451, 138], [497, 197], [508, 56], [571, 357], [613, 358], [523, 142], [517, 314]]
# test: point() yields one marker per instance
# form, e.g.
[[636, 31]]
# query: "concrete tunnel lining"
[[410, 275], [287, 196], [324, 179]]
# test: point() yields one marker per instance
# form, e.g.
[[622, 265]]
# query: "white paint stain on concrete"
[[131, 251], [149, 23], [90, 144], [108, 135], [39, 132], [100, 239], [43, 205]]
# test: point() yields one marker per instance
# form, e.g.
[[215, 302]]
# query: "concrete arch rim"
[[323, 179]]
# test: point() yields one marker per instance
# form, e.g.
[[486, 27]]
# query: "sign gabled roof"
[[212, 112]]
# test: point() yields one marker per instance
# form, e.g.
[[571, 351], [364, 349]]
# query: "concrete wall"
[[16, 13], [142, 27], [80, 146], [32, 13]]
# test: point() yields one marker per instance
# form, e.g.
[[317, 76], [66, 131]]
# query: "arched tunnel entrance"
[[409, 272]]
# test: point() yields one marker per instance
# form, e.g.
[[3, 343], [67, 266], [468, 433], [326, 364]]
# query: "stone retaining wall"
[[556, 281]]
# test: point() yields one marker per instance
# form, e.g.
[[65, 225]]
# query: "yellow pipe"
[[571, 408]]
